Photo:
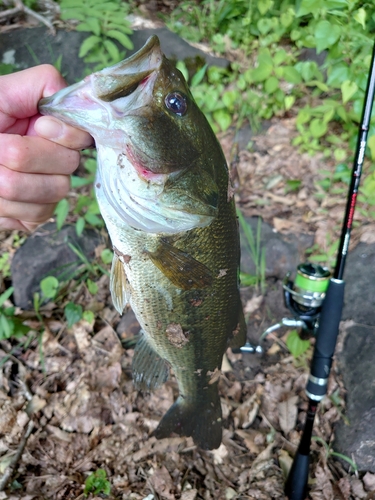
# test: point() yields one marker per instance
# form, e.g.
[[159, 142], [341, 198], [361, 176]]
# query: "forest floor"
[[71, 391]]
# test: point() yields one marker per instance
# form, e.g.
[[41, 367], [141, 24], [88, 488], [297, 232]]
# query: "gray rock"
[[310, 54], [244, 135], [359, 276], [29, 47], [47, 253], [283, 251], [356, 361], [32, 46], [174, 47]]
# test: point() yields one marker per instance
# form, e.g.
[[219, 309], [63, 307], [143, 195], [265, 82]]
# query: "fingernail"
[[49, 128]]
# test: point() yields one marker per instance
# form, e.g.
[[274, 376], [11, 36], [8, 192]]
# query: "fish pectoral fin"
[[238, 337], [150, 371], [180, 268], [118, 284]]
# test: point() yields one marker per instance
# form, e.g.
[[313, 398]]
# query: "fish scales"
[[173, 227]]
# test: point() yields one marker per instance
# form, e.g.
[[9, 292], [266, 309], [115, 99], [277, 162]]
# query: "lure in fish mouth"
[[147, 127], [162, 188]]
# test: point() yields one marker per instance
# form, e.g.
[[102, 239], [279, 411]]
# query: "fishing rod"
[[331, 309]]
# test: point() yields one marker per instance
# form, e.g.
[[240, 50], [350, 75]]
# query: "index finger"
[[20, 92]]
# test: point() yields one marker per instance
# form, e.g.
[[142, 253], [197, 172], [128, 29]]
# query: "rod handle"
[[326, 338], [296, 484]]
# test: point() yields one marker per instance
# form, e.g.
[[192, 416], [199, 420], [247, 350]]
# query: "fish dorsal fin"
[[150, 371], [180, 268], [118, 284]]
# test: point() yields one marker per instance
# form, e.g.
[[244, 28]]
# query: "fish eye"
[[176, 103]]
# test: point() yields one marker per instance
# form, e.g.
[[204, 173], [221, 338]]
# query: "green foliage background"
[[275, 72], [271, 38]]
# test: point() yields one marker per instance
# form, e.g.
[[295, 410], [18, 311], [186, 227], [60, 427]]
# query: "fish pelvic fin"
[[118, 284], [238, 337], [180, 268], [200, 419], [150, 371]]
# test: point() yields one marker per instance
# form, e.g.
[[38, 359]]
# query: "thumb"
[[20, 92], [56, 131]]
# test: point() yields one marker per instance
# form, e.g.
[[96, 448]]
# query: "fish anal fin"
[[180, 268], [238, 337], [118, 284], [150, 371], [200, 419]]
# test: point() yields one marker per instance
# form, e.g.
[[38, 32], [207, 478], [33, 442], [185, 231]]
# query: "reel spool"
[[305, 296], [310, 285]]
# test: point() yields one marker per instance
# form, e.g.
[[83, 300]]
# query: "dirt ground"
[[69, 407]]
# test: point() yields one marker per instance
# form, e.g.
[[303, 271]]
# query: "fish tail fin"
[[200, 419]]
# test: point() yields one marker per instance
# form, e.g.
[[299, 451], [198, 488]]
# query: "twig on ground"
[[19, 7], [25, 390], [9, 12], [10, 469]]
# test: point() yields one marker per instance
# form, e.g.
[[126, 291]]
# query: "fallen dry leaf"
[[286, 462], [369, 481], [248, 436], [189, 494], [162, 483], [288, 411], [253, 304], [220, 454], [246, 413]]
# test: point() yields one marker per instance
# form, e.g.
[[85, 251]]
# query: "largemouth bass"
[[163, 190]]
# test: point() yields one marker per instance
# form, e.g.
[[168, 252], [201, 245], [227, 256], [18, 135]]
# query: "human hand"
[[37, 154]]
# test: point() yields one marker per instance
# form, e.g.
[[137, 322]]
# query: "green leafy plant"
[[61, 212], [87, 267], [257, 253], [327, 257], [73, 313], [296, 345], [86, 207], [88, 316], [273, 34], [5, 264], [7, 69], [106, 256], [330, 453], [97, 483], [92, 286], [49, 287], [10, 325], [106, 22]]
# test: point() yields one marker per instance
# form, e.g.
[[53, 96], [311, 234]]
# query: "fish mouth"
[[147, 151], [90, 104]]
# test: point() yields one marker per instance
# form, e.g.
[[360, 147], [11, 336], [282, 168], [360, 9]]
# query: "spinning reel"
[[304, 299]]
